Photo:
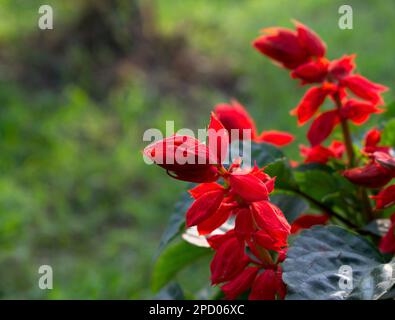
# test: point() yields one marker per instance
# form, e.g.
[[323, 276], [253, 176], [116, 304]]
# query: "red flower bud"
[[283, 46], [184, 158], [321, 154], [342, 67], [310, 72], [372, 175]]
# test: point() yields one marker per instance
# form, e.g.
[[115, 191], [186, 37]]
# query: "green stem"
[[366, 206]]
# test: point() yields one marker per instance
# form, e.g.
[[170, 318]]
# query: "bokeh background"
[[75, 101]]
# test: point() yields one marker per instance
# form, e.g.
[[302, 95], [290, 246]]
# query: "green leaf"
[[172, 260], [176, 221], [312, 269], [291, 205], [172, 291], [281, 169]]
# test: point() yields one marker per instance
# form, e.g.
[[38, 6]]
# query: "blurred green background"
[[75, 101]]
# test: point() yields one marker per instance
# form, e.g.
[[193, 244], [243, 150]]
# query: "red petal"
[[234, 117], [317, 154], [244, 224], [308, 106], [322, 127], [358, 111], [310, 72], [265, 287], [385, 198], [217, 219], [203, 207], [307, 221], [387, 243], [271, 221], [342, 67], [248, 186], [364, 88], [203, 188], [240, 284], [278, 138], [218, 139], [229, 260], [310, 40]]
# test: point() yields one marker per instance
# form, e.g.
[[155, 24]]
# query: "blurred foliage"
[[75, 101]]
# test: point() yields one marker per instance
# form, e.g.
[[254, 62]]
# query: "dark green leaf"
[[176, 222], [284, 176], [172, 260], [291, 205], [312, 269]]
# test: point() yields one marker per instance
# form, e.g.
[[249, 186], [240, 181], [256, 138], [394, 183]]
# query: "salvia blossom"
[[247, 259], [303, 52]]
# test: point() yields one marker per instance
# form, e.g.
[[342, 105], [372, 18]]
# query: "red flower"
[[358, 111], [306, 221], [240, 283], [268, 285], [372, 140], [385, 198], [184, 158], [371, 175], [340, 68], [249, 187], [229, 259], [310, 103], [311, 72], [364, 88], [290, 49], [322, 127], [321, 154], [234, 116], [218, 139], [387, 243]]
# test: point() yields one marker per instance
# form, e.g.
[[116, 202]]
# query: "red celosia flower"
[[385, 198], [387, 243], [306, 221], [371, 175], [321, 154], [184, 158], [234, 116]]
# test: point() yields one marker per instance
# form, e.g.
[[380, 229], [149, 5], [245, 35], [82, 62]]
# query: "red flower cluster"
[[303, 52]]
